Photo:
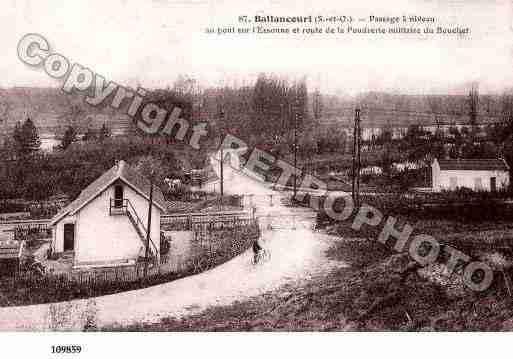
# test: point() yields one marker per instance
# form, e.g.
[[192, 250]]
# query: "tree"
[[70, 136], [306, 142], [386, 159], [74, 114], [26, 138], [415, 144], [278, 106], [456, 142], [317, 105], [39, 183], [507, 153], [438, 144], [507, 115], [152, 168], [473, 99]]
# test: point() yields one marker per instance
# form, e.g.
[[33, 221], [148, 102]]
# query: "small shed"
[[476, 174]]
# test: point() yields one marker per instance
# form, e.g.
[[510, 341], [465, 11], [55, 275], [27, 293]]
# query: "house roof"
[[10, 249], [491, 164], [120, 171]]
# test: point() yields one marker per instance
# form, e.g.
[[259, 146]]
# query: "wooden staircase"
[[124, 207]]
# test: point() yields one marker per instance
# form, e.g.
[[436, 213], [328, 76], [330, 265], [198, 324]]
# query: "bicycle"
[[262, 256]]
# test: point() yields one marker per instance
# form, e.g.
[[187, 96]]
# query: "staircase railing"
[[125, 207]]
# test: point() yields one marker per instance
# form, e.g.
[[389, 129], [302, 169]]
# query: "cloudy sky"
[[151, 42]]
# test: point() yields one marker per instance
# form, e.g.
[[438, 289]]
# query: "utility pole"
[[222, 171], [221, 189], [148, 229], [295, 154], [356, 158]]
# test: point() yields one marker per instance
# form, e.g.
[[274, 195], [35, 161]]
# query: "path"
[[296, 255]]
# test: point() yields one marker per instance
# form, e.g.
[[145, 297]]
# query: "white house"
[[106, 224], [478, 175]]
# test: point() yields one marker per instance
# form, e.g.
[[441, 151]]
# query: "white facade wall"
[[100, 237], [446, 179], [435, 176]]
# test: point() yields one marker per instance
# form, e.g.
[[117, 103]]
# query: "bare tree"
[[473, 98], [317, 104]]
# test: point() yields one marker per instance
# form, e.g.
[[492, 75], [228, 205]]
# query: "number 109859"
[[66, 349]]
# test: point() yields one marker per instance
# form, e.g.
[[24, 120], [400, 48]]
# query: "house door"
[[478, 184], [493, 184], [69, 236], [453, 183], [118, 196]]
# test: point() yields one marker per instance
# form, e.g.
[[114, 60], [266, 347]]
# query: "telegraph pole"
[[222, 158], [356, 158], [222, 171], [148, 228], [295, 154]]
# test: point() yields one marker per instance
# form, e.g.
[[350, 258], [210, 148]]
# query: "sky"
[[151, 42]]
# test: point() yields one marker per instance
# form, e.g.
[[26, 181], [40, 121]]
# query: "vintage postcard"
[[272, 166]]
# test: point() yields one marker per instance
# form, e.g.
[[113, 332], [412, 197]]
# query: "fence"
[[186, 222], [218, 246], [22, 229], [195, 196], [289, 221], [27, 232], [199, 222]]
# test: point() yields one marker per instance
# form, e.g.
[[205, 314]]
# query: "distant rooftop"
[[492, 164]]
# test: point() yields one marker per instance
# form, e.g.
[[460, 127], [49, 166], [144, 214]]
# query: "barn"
[[476, 174], [106, 224]]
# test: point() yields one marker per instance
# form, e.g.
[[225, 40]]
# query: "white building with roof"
[[476, 174], [106, 224]]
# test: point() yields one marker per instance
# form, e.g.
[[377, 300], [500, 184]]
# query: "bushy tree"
[[70, 136], [26, 138], [417, 145], [278, 106], [152, 168], [386, 158]]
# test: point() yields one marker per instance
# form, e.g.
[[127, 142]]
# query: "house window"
[[118, 196], [453, 183], [478, 184]]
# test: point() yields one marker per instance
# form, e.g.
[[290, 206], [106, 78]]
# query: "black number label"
[[66, 349]]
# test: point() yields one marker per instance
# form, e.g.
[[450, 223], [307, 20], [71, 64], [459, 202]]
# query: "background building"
[[476, 174]]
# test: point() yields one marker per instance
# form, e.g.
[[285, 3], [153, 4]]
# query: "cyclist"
[[257, 248]]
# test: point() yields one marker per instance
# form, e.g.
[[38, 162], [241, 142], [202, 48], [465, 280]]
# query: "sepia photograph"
[[178, 166]]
